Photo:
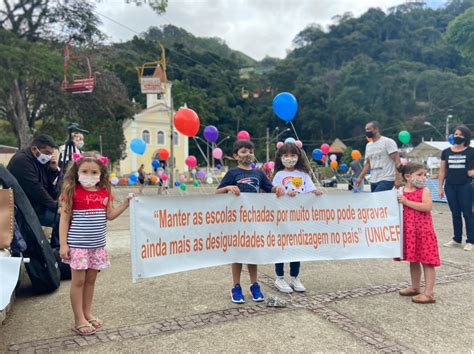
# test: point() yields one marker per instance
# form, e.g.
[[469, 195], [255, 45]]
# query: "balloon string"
[[202, 152], [319, 185]]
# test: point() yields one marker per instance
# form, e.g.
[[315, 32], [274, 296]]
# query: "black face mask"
[[369, 134], [458, 140]]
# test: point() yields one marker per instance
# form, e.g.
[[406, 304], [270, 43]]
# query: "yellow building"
[[153, 126]]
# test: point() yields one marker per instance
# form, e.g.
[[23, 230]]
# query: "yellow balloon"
[[112, 175]]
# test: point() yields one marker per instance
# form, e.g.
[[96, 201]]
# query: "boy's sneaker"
[[236, 294], [257, 295], [452, 244], [468, 247], [296, 284], [282, 285]]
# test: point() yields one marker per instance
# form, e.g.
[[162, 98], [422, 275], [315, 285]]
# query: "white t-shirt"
[[382, 167], [297, 181]]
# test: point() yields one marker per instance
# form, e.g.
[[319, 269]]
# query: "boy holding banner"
[[246, 180]]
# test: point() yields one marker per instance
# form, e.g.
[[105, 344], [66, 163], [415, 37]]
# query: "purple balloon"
[[211, 133], [201, 174]]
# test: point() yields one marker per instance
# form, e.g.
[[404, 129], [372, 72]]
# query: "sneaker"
[[236, 294], [257, 295], [282, 285], [452, 244], [468, 247], [296, 284]]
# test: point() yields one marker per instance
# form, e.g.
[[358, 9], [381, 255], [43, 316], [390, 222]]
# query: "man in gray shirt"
[[355, 170], [382, 159]]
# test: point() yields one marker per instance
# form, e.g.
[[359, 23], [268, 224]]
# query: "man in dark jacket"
[[35, 172]]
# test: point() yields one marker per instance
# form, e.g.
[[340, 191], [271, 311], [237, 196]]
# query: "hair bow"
[[104, 160]]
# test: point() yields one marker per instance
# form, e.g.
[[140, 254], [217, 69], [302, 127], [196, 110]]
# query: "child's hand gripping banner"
[[174, 234]]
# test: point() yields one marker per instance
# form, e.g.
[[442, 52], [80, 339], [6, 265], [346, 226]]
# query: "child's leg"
[[236, 270], [295, 269], [88, 293], [252, 272], [77, 289], [430, 277], [279, 271], [415, 273]]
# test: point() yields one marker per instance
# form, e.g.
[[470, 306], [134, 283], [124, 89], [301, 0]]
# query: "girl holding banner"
[[292, 173]]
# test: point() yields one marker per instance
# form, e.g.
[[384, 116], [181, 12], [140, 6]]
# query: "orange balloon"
[[164, 154], [333, 164], [356, 155], [153, 179], [187, 122]]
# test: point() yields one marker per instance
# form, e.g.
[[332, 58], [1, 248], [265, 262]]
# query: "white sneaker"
[[468, 247], [296, 284], [282, 285], [452, 244]]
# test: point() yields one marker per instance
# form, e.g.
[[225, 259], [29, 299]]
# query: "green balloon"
[[196, 184], [404, 137], [183, 187]]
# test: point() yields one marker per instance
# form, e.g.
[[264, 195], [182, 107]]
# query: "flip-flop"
[[77, 329], [96, 320], [423, 299], [409, 292]]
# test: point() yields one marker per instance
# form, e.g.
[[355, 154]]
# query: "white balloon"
[[333, 157], [193, 171], [209, 180], [209, 175]]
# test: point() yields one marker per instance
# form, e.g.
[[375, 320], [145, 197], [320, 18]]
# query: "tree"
[[460, 33]]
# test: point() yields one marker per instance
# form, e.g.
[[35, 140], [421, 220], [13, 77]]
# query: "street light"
[[269, 139], [448, 118], [432, 126]]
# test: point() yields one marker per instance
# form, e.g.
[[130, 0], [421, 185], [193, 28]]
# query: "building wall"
[[153, 121], [5, 158]]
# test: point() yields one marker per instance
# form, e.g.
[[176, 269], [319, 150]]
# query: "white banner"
[[174, 234]]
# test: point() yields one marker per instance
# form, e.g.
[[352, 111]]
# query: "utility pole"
[[100, 144], [171, 162], [447, 125], [267, 143]]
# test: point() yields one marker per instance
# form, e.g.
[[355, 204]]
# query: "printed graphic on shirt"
[[292, 183], [251, 182], [457, 161]]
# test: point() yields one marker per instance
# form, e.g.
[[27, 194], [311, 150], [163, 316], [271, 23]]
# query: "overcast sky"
[[256, 27]]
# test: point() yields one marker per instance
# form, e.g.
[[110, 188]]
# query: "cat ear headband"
[[78, 157]]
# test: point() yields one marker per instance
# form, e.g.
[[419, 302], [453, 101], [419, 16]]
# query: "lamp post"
[[432, 126], [448, 118], [269, 139]]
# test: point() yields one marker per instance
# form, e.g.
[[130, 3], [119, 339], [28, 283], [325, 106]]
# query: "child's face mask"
[[289, 162], [418, 182], [245, 159], [88, 181]]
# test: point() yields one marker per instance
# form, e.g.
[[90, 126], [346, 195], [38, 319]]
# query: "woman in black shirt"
[[456, 162]]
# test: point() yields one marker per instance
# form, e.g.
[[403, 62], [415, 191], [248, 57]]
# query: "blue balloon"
[[177, 184], [451, 139], [131, 182], [252, 165], [285, 106], [155, 163], [317, 154], [138, 146], [290, 141], [343, 167], [133, 178]]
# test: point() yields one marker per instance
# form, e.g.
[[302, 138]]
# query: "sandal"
[[77, 329], [95, 322], [409, 292], [423, 299]]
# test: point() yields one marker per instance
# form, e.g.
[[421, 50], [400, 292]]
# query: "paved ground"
[[350, 306]]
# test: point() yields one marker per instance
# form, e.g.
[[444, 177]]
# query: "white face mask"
[[289, 162], [43, 158], [88, 181], [80, 144], [418, 183]]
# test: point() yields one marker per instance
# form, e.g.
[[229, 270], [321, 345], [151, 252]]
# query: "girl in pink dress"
[[87, 205], [420, 246]]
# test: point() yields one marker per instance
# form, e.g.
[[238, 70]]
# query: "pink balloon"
[[164, 176], [160, 173], [280, 144], [191, 161], [271, 165], [299, 143], [182, 178], [243, 135], [325, 148], [403, 161], [217, 153]]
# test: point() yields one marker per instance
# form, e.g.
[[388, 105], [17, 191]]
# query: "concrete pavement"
[[349, 306]]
